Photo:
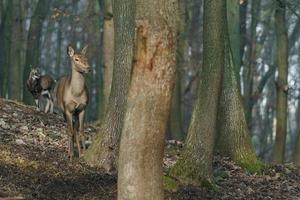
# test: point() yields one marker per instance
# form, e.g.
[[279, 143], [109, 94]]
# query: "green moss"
[[251, 166], [209, 184], [169, 184], [192, 173]]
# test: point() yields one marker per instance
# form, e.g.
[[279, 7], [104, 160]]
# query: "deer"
[[72, 98], [38, 86]]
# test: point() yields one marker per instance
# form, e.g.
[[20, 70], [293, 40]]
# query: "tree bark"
[[195, 163], [108, 50], [149, 101], [6, 40], [251, 63], [15, 83], [33, 43], [175, 121], [104, 150], [282, 85], [297, 150], [233, 16], [233, 135], [243, 27], [58, 49]]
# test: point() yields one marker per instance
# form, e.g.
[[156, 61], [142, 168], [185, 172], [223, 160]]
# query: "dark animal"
[[40, 85]]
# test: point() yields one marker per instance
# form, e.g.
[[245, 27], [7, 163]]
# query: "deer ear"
[[70, 51], [84, 49]]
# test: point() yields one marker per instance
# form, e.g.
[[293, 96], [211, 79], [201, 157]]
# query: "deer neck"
[[77, 82]]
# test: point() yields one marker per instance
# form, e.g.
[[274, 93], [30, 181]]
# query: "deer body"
[[72, 99], [41, 85]]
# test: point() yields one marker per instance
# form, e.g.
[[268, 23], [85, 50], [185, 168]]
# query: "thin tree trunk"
[[108, 49], [297, 150], [99, 66], [104, 150], [15, 82], [149, 101], [295, 34], [195, 163], [7, 30], [175, 121], [2, 52], [33, 43], [233, 16], [251, 63], [282, 64], [58, 49], [243, 27]]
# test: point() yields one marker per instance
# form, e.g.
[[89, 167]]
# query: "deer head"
[[79, 60], [34, 74]]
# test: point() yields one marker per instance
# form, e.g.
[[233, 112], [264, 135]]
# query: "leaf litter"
[[34, 165]]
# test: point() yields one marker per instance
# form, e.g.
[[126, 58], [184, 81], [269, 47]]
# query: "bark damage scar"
[[141, 42], [148, 47], [155, 53]]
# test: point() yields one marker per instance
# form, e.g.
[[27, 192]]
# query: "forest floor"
[[34, 165]]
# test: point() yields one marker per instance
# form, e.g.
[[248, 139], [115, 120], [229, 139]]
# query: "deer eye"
[[76, 59]]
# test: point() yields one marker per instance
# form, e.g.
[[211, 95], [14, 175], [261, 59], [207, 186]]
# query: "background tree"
[[104, 149], [6, 41], [193, 166], [233, 138], [250, 65], [282, 85], [108, 49], [33, 43], [149, 101]]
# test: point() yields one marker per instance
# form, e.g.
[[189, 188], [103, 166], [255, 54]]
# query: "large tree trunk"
[[233, 136], [33, 44], [282, 64], [149, 100], [104, 149], [195, 163]]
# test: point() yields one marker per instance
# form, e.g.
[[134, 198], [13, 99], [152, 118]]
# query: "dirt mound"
[[34, 165]]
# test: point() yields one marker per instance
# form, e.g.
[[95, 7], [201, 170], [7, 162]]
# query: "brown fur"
[[72, 99]]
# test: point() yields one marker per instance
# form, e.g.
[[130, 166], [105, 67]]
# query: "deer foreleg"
[[71, 135], [81, 129], [51, 102], [47, 106], [37, 103]]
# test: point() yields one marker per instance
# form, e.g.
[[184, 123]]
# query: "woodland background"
[[37, 32]]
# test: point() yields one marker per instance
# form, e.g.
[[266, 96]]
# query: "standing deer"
[[72, 98], [40, 86]]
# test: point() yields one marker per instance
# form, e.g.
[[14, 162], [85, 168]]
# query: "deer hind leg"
[[51, 102], [37, 103], [76, 133], [81, 129], [70, 132], [48, 98]]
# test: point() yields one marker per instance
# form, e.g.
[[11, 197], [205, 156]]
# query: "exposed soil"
[[34, 165]]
